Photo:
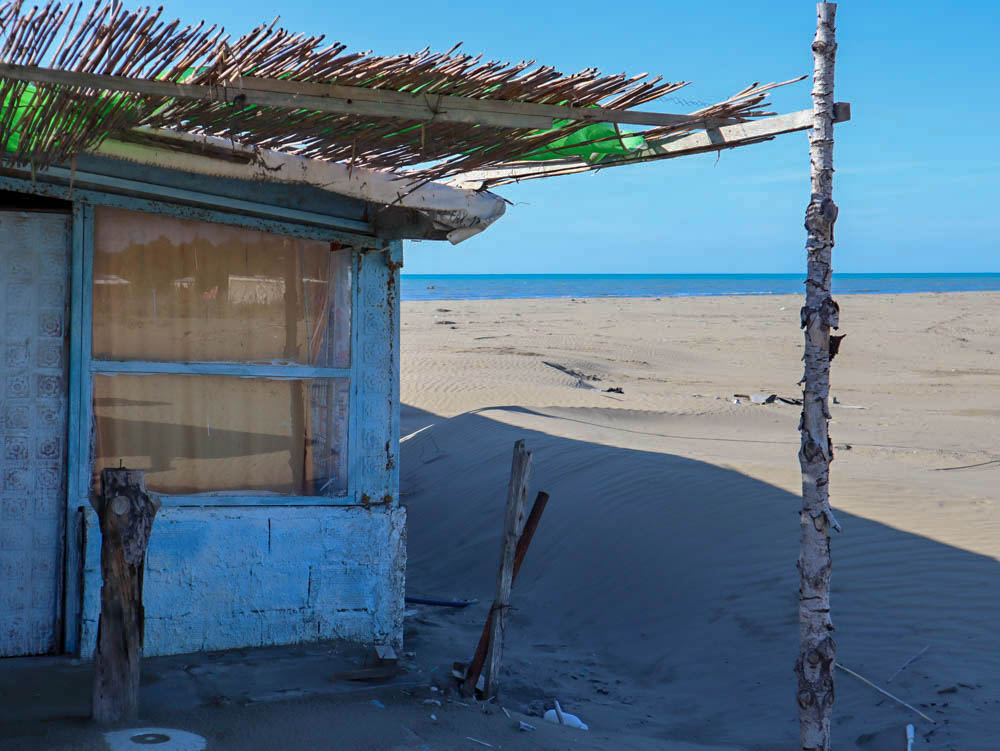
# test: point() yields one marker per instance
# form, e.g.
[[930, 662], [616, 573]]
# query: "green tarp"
[[580, 144]]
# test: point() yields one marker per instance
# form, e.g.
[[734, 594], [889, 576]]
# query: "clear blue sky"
[[917, 168]]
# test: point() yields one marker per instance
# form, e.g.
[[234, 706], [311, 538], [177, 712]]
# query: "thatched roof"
[[71, 77]]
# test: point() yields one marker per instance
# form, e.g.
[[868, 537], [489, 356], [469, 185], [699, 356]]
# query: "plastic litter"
[[565, 718]]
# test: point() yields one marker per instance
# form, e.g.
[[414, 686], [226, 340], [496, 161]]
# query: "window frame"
[[89, 367]]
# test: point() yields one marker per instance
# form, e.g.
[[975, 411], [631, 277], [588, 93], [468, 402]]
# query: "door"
[[34, 354]]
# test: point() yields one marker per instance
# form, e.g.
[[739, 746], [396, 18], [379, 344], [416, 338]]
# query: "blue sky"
[[916, 175]]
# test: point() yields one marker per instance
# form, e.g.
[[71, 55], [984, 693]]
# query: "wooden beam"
[[732, 135], [512, 528], [456, 105], [714, 139], [356, 100], [475, 668]]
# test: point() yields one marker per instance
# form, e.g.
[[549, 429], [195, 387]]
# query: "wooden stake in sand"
[[126, 513], [820, 314], [513, 524], [476, 666]]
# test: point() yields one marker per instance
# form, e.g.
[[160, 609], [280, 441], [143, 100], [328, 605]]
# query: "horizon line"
[[707, 274]]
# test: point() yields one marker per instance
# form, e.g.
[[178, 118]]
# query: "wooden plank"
[[245, 96], [87, 449], [513, 523], [274, 370], [455, 105], [356, 100], [126, 512], [476, 666], [74, 491], [729, 136]]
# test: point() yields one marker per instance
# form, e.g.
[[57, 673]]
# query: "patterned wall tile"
[[17, 386], [50, 323], [15, 355], [49, 355], [15, 449], [34, 274], [16, 416]]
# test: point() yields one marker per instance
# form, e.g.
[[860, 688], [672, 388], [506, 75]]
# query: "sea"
[[506, 286]]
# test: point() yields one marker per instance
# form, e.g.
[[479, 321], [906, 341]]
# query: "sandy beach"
[[658, 601]]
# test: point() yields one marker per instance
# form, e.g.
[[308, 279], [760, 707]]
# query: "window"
[[221, 356]]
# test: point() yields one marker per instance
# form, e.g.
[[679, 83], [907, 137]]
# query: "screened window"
[[168, 289], [227, 434], [221, 356]]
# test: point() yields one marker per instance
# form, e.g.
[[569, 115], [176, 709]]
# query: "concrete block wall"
[[218, 578]]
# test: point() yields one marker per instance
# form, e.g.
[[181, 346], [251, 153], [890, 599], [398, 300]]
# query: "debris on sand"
[[559, 717]]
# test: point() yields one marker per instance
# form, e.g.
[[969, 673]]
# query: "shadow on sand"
[[660, 592]]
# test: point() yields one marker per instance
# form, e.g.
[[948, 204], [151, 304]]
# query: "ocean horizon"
[[521, 286]]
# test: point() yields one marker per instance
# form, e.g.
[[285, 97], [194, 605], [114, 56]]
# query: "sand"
[[658, 601]]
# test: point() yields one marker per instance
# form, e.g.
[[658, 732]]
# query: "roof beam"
[[444, 104], [713, 139], [356, 100]]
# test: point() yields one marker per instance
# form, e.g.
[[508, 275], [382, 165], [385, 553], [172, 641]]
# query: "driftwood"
[[530, 525], [820, 314], [126, 513]]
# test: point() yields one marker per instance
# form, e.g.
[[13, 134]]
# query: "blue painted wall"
[[245, 575], [218, 578], [239, 576]]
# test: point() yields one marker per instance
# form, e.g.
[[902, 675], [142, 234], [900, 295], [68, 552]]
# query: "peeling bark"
[[820, 314], [125, 511]]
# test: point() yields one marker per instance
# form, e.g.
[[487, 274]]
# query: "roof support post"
[[817, 650]]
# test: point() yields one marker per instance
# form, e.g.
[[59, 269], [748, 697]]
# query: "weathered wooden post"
[[820, 314], [513, 525], [475, 668], [126, 513]]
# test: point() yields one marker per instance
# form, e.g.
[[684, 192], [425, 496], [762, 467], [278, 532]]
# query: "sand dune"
[[659, 598]]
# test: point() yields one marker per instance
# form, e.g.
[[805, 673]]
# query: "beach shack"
[[235, 340], [200, 244]]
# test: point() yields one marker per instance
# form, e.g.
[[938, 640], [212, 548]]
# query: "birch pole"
[[817, 650]]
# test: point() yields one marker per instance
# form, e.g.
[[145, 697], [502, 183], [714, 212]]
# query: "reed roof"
[[71, 77]]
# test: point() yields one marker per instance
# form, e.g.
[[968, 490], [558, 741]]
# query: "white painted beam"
[[714, 139], [461, 213]]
